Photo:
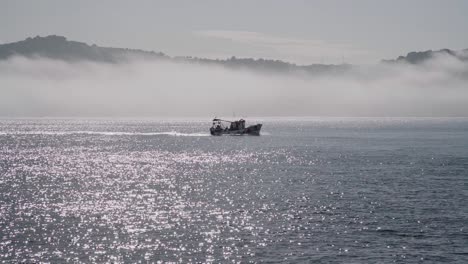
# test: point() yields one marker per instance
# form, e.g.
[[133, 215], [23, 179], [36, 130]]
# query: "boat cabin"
[[219, 124]]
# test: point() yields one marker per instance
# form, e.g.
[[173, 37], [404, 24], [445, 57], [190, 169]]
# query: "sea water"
[[320, 190]]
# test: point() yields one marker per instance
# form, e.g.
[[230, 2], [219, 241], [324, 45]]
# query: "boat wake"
[[106, 133]]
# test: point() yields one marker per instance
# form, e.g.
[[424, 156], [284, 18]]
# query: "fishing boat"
[[225, 127]]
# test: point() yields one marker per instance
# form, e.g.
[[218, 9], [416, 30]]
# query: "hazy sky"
[[361, 31]]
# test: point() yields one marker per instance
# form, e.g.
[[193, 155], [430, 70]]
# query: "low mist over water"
[[45, 87]]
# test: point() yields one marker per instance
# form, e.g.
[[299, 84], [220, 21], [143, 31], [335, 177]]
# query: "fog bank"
[[44, 87]]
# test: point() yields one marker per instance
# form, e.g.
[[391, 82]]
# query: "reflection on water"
[[312, 190]]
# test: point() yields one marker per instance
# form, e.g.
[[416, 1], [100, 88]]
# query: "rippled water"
[[310, 190]]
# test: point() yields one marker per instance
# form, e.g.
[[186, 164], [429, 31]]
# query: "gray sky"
[[361, 31]]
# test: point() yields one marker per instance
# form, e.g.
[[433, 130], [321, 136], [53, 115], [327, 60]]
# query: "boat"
[[225, 127]]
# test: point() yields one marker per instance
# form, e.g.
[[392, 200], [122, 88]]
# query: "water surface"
[[333, 190]]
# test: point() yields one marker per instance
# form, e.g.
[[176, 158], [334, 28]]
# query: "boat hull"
[[251, 130]]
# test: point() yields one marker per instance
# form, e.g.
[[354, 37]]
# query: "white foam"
[[106, 133]]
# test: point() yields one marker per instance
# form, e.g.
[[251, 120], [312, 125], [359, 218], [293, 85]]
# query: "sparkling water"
[[331, 190]]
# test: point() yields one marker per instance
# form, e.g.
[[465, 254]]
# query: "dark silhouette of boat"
[[224, 127]]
